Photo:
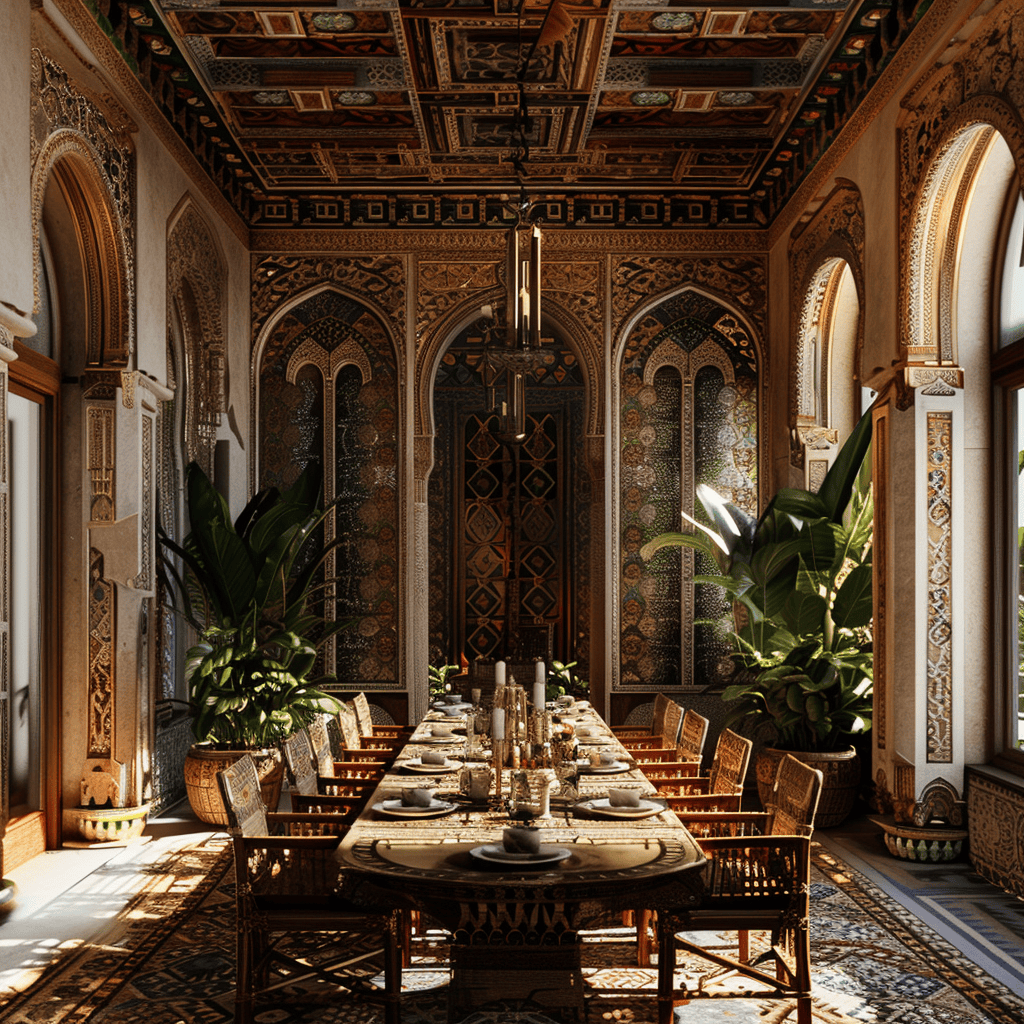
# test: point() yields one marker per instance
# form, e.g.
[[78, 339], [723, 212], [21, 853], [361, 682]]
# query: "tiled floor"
[[71, 896], [983, 922]]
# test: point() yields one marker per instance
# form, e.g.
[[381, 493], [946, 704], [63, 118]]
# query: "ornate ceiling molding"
[[112, 63]]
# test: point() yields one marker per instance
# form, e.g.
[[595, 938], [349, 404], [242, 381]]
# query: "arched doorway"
[[509, 523]]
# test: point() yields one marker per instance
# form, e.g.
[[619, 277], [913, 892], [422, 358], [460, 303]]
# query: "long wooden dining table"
[[515, 927]]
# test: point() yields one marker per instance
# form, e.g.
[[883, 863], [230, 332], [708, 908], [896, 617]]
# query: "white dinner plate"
[[441, 739], [497, 854], [590, 741], [396, 809], [414, 764], [602, 769], [461, 706], [602, 808]]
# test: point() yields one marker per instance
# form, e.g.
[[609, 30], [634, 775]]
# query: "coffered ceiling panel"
[[653, 111]]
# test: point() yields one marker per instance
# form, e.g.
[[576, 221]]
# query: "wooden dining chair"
[[718, 792], [311, 792], [722, 788], [355, 748], [370, 730], [287, 884], [663, 744], [334, 776], [623, 732], [757, 878]]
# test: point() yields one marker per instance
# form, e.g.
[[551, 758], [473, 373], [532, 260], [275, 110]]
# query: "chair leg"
[[643, 939], [803, 1010], [393, 947], [666, 970], [743, 941], [244, 976]]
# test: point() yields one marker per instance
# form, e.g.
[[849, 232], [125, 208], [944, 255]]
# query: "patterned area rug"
[[169, 959]]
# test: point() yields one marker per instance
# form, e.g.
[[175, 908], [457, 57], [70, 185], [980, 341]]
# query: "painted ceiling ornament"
[[649, 98], [673, 21], [339, 21]]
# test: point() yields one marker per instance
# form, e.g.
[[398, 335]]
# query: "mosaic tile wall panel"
[[651, 426], [330, 353], [474, 476], [702, 430]]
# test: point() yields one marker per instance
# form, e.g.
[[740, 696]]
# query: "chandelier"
[[512, 346]]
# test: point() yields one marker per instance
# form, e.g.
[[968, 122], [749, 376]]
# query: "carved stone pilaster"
[[928, 380]]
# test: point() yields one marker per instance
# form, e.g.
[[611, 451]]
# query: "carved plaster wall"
[[197, 288], [81, 144], [72, 129]]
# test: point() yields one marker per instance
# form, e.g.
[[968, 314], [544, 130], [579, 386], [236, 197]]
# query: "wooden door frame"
[[37, 378]]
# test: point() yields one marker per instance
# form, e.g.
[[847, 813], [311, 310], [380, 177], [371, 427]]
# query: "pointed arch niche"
[[327, 388], [196, 294], [688, 414], [826, 254], [509, 540]]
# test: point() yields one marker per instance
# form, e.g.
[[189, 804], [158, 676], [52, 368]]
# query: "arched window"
[[1008, 394]]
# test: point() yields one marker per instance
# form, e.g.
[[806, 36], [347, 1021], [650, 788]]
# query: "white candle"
[[538, 695], [540, 673], [498, 724], [499, 673]]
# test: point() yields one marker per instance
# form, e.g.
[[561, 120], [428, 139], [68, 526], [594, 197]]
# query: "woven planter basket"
[[201, 767], [841, 783]]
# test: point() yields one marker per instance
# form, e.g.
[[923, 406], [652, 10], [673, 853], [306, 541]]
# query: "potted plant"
[[562, 680], [246, 588], [800, 581]]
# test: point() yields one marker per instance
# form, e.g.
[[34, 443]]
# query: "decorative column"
[[119, 418], [921, 613]]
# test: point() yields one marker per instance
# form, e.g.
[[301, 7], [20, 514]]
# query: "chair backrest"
[[671, 724], [349, 726], [794, 799], [321, 744], [692, 735], [729, 768], [363, 718], [661, 703], [240, 790], [299, 755]]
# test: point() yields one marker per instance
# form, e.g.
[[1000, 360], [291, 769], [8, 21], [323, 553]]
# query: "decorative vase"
[[201, 767], [841, 771], [112, 824]]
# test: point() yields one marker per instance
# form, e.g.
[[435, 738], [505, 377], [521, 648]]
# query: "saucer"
[[602, 769], [497, 854], [602, 808], [415, 764], [396, 809]]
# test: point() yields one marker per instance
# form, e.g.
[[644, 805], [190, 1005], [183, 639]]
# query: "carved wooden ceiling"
[[657, 112]]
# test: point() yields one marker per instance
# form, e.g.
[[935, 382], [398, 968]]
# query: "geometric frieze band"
[[940, 610]]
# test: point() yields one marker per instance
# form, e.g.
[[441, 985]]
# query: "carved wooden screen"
[[688, 414], [328, 390], [509, 526]]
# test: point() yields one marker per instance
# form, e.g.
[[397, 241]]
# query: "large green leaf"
[[838, 484], [852, 607]]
